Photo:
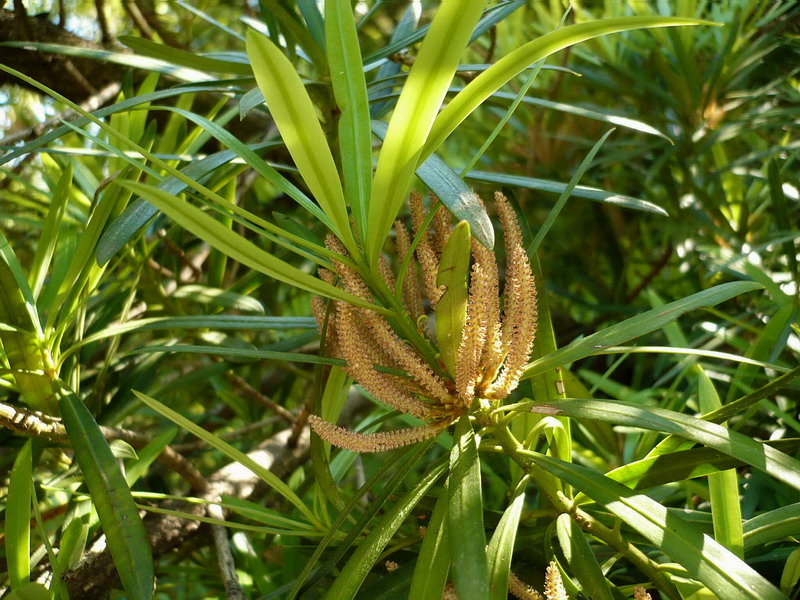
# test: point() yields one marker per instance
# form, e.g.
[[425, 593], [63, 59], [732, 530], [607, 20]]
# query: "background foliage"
[[186, 341]]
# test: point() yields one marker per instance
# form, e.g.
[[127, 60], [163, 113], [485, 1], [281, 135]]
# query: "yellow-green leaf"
[[508, 67], [235, 246], [296, 119], [416, 109], [451, 310]]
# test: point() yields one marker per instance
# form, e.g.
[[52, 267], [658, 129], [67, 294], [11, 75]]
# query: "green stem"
[[587, 522]]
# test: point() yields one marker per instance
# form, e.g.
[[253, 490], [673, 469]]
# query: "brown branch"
[[251, 393], [37, 424], [152, 21], [136, 16], [106, 38], [663, 261]]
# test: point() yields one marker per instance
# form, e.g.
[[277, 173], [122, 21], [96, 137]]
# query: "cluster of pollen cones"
[[496, 339]]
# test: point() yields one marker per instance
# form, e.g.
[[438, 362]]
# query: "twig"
[[151, 18], [227, 566], [250, 392], [654, 271], [136, 16], [178, 252], [101, 20]]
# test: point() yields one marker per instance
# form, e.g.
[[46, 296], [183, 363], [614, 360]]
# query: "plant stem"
[[587, 522]]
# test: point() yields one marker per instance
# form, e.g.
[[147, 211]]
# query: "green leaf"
[[501, 546], [148, 454], [30, 591], [295, 30], [119, 517], [562, 200], [580, 111], [296, 118], [491, 17], [772, 526], [209, 322], [75, 534], [350, 91], [582, 561], [791, 572], [311, 359], [18, 518], [760, 456], [249, 156], [264, 474], [415, 112], [782, 220], [723, 487], [21, 336], [702, 557], [235, 246], [681, 465], [580, 191], [451, 310], [182, 58], [119, 107], [226, 299], [403, 461], [463, 203], [639, 325], [361, 562], [136, 214], [508, 67], [466, 532], [46, 246], [120, 58], [433, 560]]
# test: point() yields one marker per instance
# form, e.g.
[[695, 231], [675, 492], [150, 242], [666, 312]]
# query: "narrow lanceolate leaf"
[[555, 187], [350, 91], [433, 560], [703, 558], [723, 487], [763, 457], [296, 118], [501, 546], [772, 526], [46, 245], [21, 335], [399, 464], [183, 58], [18, 518], [119, 517], [639, 325], [235, 246], [582, 561], [508, 67], [462, 202], [369, 550], [416, 109], [451, 310], [466, 533]]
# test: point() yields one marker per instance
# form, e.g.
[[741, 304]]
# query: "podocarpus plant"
[[463, 368]]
